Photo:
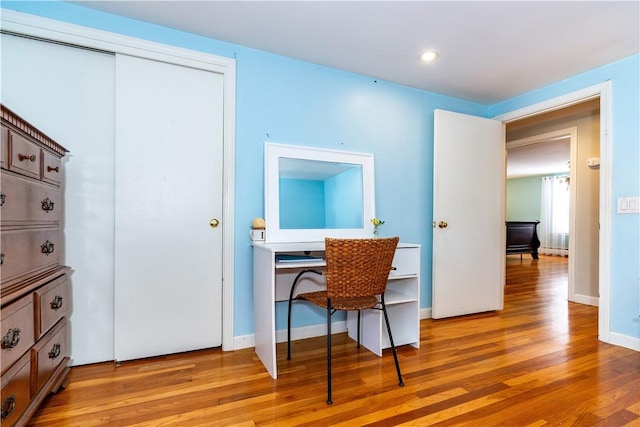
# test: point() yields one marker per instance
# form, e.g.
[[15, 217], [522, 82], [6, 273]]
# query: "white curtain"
[[554, 216]]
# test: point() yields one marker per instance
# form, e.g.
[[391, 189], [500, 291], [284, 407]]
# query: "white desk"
[[272, 282]]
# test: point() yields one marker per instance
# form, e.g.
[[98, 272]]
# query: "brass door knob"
[[442, 224], [214, 223]]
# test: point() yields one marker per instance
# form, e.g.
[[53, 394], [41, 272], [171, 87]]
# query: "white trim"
[[543, 137], [602, 90], [425, 313], [62, 32], [244, 341], [553, 104], [585, 299], [318, 330], [627, 341], [311, 331], [248, 341]]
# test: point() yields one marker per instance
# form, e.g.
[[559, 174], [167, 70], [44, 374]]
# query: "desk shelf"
[[403, 306]]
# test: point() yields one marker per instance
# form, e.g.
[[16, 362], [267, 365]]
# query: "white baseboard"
[[248, 341], [311, 331], [585, 299], [319, 330], [626, 341], [243, 341]]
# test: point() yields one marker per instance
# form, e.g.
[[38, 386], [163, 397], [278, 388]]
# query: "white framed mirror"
[[313, 193]]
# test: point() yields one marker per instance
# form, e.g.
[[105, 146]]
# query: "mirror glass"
[[313, 193], [316, 194]]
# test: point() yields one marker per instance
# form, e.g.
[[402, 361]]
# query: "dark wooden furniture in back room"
[[522, 237], [34, 288]]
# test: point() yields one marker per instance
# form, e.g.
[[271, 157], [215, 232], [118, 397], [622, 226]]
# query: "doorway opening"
[[566, 140]]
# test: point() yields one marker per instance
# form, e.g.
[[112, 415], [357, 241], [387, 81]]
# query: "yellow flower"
[[376, 222]]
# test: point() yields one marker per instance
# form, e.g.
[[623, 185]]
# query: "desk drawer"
[[52, 303], [406, 262], [48, 353], [27, 201], [16, 394], [28, 252], [24, 156], [17, 330]]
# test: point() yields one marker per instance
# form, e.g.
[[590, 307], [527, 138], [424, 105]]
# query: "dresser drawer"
[[48, 353], [51, 303], [17, 330], [16, 394], [27, 201], [4, 147], [28, 252], [51, 168], [24, 156]]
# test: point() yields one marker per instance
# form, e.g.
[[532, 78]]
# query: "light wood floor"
[[538, 362]]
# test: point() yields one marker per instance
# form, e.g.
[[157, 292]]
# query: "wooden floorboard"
[[538, 362]]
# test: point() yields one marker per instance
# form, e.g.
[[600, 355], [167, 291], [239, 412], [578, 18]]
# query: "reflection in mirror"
[[313, 193], [316, 194]]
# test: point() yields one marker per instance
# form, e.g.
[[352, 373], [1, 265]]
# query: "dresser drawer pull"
[[11, 339], [56, 169], [3, 198], [56, 304], [47, 205], [8, 405], [47, 248], [1, 259], [23, 157], [55, 351]]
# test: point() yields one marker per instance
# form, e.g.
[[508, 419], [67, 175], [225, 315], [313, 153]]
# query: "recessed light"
[[429, 56]]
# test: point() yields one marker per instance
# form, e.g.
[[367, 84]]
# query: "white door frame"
[[63, 32], [603, 91]]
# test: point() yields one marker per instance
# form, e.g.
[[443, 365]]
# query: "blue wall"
[[293, 102]]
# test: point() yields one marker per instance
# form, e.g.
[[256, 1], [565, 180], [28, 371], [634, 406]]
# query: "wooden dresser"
[[34, 288]]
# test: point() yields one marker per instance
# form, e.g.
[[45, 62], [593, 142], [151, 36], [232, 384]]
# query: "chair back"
[[358, 267]]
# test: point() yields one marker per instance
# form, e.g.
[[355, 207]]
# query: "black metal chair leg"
[[359, 311], [393, 347], [329, 401], [293, 287], [289, 327]]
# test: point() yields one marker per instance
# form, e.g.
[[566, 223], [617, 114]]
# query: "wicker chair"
[[357, 273]]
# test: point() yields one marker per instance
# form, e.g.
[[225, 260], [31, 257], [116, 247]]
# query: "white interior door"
[[468, 214], [168, 259]]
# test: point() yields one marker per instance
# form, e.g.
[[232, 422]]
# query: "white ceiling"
[[542, 158], [489, 51]]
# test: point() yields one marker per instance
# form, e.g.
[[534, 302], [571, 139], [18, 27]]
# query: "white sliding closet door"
[[168, 259], [68, 93]]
